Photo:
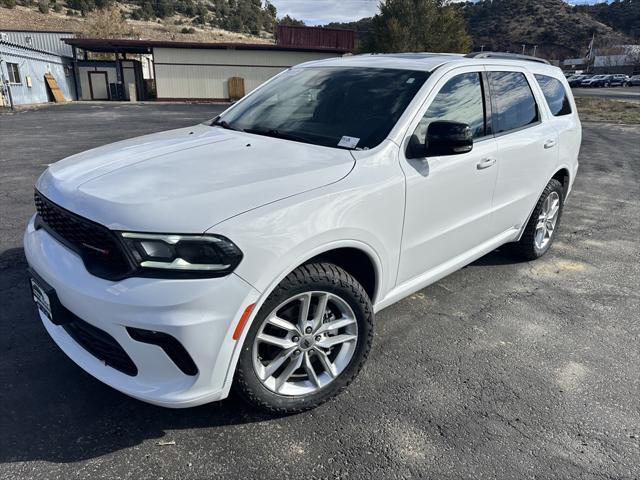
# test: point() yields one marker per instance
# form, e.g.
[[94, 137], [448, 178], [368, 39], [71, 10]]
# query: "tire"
[[530, 247], [346, 301]]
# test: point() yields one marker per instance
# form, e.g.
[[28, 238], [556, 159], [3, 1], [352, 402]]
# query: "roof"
[[26, 30], [403, 61], [427, 61], [146, 46], [38, 41]]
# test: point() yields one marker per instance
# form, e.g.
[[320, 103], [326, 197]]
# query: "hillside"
[[197, 22], [622, 15], [558, 29]]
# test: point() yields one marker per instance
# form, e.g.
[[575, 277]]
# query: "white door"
[[527, 145], [98, 86], [448, 198], [563, 117]]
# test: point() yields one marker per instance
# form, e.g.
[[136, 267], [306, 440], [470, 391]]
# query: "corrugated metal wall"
[[34, 65], [203, 74], [315, 37], [50, 42]]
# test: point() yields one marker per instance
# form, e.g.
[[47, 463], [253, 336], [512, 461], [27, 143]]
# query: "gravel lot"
[[501, 370]]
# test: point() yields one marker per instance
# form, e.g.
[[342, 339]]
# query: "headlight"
[[182, 255]]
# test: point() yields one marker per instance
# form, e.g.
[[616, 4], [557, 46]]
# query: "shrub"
[[188, 30]]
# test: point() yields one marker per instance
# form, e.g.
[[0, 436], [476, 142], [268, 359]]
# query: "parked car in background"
[[596, 81], [254, 249], [576, 80], [634, 81], [619, 80]]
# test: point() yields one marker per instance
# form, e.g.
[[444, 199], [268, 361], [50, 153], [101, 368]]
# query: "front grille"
[[101, 251], [101, 345]]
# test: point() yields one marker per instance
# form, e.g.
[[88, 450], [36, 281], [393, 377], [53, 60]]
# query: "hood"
[[188, 180]]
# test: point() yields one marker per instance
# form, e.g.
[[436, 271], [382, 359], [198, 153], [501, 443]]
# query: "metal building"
[[25, 58], [189, 71]]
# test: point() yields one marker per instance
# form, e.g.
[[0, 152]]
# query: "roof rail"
[[507, 56]]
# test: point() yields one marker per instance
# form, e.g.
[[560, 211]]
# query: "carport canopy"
[[99, 45]]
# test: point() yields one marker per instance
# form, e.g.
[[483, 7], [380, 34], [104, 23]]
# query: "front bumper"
[[201, 314]]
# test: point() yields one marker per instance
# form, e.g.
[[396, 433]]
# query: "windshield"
[[340, 107]]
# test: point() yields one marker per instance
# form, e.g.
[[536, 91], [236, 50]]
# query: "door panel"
[[527, 145], [448, 198], [447, 208], [98, 86], [526, 161]]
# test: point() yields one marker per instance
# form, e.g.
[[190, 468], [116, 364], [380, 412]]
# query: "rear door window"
[[514, 104], [555, 94]]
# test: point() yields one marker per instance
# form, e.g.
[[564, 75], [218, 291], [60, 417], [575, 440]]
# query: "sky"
[[320, 12]]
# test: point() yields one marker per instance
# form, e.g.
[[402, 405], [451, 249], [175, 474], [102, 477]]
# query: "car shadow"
[[501, 256], [52, 410]]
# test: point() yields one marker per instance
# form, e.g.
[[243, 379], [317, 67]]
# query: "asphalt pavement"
[[501, 370], [616, 93]]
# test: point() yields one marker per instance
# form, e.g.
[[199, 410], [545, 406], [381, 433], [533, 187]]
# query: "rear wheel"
[[308, 342], [545, 219]]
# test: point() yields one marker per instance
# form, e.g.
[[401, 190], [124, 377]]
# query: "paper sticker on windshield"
[[411, 80], [348, 142]]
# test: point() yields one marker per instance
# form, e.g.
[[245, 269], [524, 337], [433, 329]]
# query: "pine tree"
[[419, 25]]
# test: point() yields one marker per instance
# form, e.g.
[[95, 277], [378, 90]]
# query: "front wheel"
[[542, 226], [308, 342]]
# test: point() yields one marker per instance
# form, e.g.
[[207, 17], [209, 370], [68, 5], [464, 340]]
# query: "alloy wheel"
[[305, 343], [547, 220]]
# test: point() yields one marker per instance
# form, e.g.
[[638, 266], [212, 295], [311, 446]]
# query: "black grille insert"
[[100, 249], [171, 346], [101, 345]]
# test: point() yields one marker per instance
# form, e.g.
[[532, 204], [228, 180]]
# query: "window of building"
[[515, 105], [459, 100], [14, 73], [555, 94]]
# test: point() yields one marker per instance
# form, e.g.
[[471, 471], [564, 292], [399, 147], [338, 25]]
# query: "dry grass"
[[606, 110], [167, 29]]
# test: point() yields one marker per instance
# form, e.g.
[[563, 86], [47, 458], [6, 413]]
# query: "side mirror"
[[448, 138]]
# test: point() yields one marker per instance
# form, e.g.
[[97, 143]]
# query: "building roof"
[[38, 41], [27, 30], [146, 46]]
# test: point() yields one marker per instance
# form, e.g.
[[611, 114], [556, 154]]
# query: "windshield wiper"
[[272, 132], [223, 123]]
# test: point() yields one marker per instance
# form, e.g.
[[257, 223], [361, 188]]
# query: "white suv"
[[254, 249]]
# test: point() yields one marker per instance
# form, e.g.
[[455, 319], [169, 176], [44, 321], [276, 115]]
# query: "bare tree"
[[108, 23]]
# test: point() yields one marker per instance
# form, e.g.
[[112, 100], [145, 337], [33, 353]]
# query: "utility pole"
[[523, 47], [535, 47]]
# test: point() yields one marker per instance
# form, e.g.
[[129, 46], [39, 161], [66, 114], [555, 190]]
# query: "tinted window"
[[555, 94], [459, 100], [515, 106], [330, 106]]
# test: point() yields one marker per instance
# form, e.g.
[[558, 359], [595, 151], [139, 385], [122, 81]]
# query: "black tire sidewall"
[[314, 277]]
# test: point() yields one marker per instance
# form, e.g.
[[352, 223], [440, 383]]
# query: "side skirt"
[[444, 269]]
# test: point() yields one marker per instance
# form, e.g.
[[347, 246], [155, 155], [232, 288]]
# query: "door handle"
[[549, 144], [485, 163]]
